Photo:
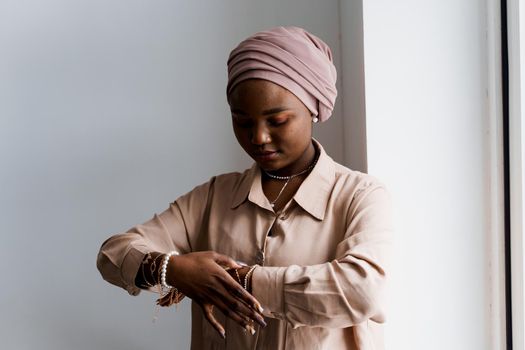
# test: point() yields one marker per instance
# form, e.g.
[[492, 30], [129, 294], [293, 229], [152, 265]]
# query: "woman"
[[311, 233]]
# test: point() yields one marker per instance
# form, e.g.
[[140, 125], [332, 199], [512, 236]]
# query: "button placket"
[[259, 258], [260, 255], [285, 213]]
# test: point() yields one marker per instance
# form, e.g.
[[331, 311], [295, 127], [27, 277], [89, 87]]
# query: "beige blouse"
[[323, 259]]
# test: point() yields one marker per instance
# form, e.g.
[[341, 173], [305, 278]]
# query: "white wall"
[[108, 111], [516, 39], [426, 114]]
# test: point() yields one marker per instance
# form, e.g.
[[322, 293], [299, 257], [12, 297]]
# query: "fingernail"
[[250, 329], [223, 335], [259, 308], [241, 263]]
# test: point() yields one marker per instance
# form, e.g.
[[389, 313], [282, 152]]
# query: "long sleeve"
[[343, 292], [325, 255], [176, 228]]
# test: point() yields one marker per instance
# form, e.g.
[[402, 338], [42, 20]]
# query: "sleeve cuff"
[[130, 267], [267, 288]]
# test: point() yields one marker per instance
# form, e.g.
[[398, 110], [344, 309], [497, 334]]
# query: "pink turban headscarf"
[[292, 58]]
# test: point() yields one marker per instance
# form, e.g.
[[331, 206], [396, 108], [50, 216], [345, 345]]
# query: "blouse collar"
[[312, 195]]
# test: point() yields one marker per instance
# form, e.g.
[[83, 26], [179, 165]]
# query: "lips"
[[265, 155]]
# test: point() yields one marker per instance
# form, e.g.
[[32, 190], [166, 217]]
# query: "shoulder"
[[231, 179], [226, 183], [360, 192], [354, 182], [345, 182]]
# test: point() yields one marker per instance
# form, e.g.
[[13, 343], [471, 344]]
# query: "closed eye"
[[278, 122]]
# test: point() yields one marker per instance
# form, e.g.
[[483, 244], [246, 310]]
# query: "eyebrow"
[[275, 110], [265, 112]]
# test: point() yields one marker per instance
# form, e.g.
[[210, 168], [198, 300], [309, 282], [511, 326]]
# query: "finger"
[[237, 290], [234, 289], [233, 305], [230, 312], [226, 261], [208, 313]]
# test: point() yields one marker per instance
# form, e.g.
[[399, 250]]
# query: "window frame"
[[515, 83]]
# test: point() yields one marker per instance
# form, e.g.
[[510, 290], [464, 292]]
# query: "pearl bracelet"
[[164, 269]]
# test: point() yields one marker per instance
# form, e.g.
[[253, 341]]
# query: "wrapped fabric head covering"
[[292, 58]]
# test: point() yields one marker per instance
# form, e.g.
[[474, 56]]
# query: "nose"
[[260, 135]]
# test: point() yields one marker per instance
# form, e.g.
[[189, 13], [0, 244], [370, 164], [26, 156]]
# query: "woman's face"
[[272, 125]]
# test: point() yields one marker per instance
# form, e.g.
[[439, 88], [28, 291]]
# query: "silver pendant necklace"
[[288, 178]]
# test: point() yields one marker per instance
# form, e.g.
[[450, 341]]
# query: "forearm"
[[337, 294], [119, 260], [120, 257]]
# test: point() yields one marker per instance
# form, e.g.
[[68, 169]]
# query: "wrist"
[[166, 279], [243, 276], [248, 278], [147, 275], [172, 270], [169, 293]]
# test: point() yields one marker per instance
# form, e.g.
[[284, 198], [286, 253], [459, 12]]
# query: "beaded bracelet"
[[169, 295], [164, 270], [247, 276], [238, 277]]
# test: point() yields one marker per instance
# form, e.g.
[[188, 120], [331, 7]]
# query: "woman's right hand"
[[202, 277]]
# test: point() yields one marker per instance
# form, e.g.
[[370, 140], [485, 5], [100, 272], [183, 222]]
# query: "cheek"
[[241, 135], [298, 134]]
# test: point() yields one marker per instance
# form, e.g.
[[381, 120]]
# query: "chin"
[[270, 166], [270, 163]]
